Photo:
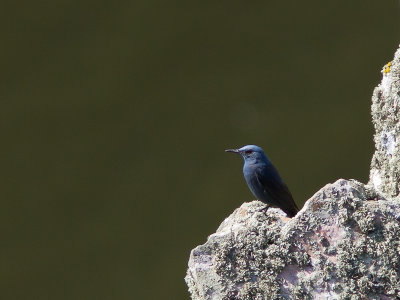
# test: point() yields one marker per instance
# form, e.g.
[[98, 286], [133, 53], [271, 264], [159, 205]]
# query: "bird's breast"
[[250, 175]]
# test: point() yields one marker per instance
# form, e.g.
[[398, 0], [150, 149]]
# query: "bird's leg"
[[264, 209]]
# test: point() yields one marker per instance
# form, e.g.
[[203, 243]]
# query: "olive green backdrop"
[[114, 117]]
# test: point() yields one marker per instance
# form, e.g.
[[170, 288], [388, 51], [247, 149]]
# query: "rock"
[[343, 244], [385, 165]]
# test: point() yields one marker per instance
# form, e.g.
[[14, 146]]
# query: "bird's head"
[[251, 154]]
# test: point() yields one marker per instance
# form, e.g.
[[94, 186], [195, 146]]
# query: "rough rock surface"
[[385, 165], [343, 244]]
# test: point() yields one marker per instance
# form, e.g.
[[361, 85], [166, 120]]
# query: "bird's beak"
[[232, 150]]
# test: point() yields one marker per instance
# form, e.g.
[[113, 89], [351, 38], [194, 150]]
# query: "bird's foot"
[[264, 209]]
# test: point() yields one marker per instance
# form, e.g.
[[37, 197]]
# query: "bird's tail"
[[291, 210]]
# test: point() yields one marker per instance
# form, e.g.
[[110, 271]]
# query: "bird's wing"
[[277, 191]]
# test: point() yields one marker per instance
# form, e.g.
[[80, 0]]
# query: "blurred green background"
[[115, 115]]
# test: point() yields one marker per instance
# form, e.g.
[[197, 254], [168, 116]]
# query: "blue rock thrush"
[[264, 180]]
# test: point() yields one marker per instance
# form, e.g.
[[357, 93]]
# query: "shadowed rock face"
[[343, 244]]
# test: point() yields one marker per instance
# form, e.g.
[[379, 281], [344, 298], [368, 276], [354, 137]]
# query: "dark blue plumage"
[[264, 180]]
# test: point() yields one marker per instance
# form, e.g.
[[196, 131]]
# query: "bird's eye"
[[248, 151]]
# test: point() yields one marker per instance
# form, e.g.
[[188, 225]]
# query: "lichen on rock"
[[385, 165], [343, 244]]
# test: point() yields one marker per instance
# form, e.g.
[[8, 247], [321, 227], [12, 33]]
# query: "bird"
[[264, 180]]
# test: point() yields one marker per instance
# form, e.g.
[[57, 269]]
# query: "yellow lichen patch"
[[387, 67]]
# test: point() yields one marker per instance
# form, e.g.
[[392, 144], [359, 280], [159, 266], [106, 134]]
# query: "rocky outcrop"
[[343, 244], [385, 165]]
